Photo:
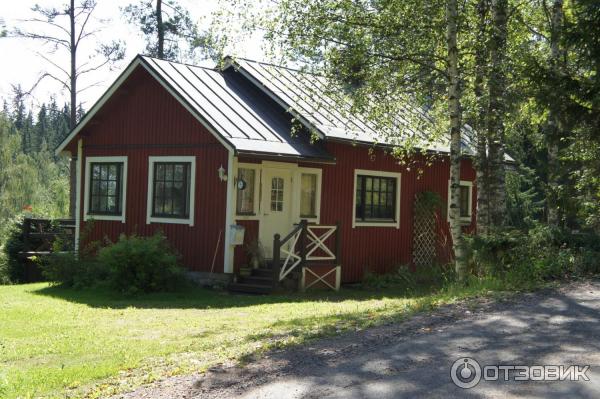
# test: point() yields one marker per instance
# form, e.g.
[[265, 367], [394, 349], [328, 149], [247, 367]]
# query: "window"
[[245, 197], [308, 195], [376, 200], [277, 194], [105, 184], [171, 189], [465, 201]]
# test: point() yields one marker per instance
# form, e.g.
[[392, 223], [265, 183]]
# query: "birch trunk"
[[481, 59], [555, 125], [496, 113], [454, 110]]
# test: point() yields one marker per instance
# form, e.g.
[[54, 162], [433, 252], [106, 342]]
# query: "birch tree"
[[66, 29]]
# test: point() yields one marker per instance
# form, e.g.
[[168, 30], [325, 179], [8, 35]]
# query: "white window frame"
[[154, 219], [377, 173], [297, 193], [88, 171], [464, 220], [257, 181]]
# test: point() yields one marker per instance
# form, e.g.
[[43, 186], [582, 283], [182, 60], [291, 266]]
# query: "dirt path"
[[414, 358]]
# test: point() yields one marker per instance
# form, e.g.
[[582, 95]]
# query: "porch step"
[[262, 272], [259, 280], [248, 288]]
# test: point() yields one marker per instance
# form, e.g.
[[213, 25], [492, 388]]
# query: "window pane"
[[277, 194], [105, 188], [375, 198], [171, 189], [308, 195], [245, 197], [464, 201]]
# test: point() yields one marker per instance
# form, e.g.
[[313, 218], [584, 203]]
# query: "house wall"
[[380, 249], [377, 249], [143, 120]]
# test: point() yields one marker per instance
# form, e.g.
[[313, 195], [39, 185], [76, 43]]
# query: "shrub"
[[141, 264], [71, 270], [435, 275], [542, 253], [11, 266]]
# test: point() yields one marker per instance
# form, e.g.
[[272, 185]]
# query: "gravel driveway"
[[414, 358]]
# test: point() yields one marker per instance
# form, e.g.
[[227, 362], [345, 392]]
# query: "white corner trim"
[[78, 193], [377, 173], [86, 204], [154, 219], [229, 212], [463, 219]]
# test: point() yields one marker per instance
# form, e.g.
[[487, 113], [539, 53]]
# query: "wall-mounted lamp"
[[222, 175]]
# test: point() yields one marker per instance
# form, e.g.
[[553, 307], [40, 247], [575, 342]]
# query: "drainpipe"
[[228, 250]]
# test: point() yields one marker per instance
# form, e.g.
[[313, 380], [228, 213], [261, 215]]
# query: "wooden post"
[[338, 244], [26, 234], [276, 259], [304, 227]]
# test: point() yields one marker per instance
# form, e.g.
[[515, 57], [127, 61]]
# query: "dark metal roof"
[[237, 110], [308, 96]]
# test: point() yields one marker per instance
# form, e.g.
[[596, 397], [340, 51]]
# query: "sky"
[[19, 63]]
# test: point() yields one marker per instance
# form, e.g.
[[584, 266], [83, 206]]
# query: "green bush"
[[11, 266], [141, 264], [71, 270], [542, 253], [403, 277]]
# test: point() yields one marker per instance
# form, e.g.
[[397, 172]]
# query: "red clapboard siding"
[[378, 249], [144, 120]]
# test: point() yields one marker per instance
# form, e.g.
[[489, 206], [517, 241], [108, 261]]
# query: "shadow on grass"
[[201, 298]]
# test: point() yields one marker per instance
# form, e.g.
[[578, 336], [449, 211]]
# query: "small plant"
[[256, 253], [141, 264]]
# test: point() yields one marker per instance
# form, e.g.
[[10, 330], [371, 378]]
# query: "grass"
[[57, 342]]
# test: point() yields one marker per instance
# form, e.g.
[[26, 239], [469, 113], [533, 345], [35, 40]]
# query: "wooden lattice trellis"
[[425, 229]]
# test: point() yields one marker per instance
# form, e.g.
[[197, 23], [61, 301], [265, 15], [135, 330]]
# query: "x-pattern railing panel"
[[318, 242], [292, 258]]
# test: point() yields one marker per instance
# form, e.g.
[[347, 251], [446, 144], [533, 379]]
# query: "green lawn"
[[56, 341]]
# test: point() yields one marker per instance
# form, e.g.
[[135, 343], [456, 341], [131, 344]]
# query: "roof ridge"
[[274, 65], [179, 63]]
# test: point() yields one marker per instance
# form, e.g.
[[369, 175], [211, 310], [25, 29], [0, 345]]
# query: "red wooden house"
[[192, 151]]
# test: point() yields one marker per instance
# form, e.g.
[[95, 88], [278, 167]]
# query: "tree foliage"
[[169, 30]]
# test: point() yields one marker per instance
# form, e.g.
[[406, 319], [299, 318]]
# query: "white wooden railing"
[[304, 243]]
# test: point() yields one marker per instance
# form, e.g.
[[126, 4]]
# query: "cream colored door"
[[276, 207]]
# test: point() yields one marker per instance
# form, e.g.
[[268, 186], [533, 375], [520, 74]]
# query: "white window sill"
[[377, 224], [170, 221], [246, 217], [112, 218]]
